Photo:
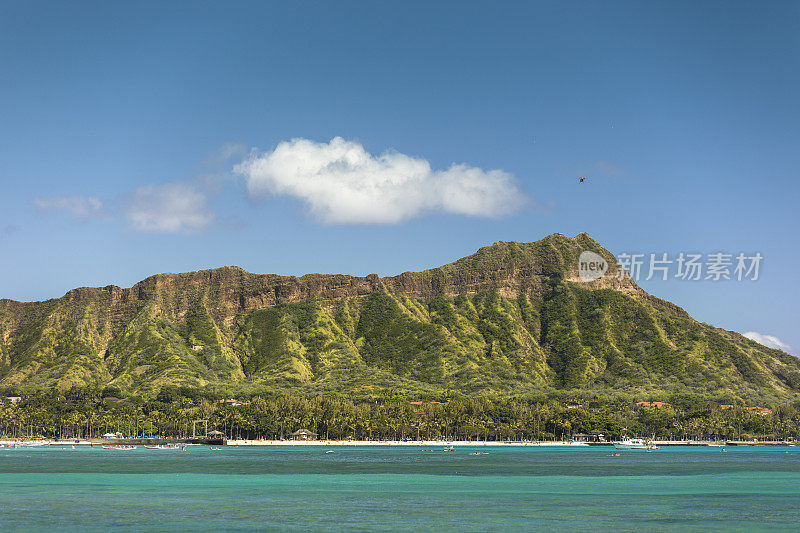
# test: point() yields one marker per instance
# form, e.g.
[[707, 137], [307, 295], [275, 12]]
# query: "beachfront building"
[[304, 434], [584, 437]]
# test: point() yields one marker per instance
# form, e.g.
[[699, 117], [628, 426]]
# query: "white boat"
[[628, 443]]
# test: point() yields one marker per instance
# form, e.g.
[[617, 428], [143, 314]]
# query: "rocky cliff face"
[[512, 318]]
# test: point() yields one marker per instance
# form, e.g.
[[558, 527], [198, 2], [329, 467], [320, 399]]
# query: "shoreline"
[[344, 443], [446, 443], [479, 444]]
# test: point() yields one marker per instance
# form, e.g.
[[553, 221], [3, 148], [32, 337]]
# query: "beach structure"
[[194, 426], [304, 434], [584, 437]]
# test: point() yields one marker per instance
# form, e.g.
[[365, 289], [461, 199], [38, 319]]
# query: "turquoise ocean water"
[[400, 488]]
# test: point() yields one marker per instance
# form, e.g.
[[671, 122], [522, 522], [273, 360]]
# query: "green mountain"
[[513, 318]]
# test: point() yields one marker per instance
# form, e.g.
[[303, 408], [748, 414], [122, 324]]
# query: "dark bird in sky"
[[582, 178]]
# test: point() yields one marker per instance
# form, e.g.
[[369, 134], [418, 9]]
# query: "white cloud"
[[769, 341], [170, 208], [81, 207], [342, 183]]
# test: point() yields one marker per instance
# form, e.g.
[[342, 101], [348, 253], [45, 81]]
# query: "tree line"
[[83, 413]]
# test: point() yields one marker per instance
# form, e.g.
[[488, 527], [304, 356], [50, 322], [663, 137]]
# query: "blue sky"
[[144, 138]]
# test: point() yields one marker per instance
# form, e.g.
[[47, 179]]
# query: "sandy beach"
[[436, 443], [244, 442]]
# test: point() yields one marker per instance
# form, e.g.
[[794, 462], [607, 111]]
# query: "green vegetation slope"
[[511, 319]]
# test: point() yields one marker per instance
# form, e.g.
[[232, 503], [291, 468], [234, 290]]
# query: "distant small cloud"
[[8, 230], [221, 156], [78, 207], [342, 183], [231, 150], [169, 208], [770, 341], [216, 167]]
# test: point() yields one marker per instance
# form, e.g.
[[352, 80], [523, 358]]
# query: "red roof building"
[[653, 404]]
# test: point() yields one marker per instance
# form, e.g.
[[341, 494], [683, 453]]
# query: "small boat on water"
[[120, 447], [628, 443]]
